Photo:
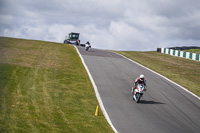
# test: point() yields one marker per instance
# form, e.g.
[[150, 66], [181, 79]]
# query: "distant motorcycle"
[[87, 46], [138, 92]]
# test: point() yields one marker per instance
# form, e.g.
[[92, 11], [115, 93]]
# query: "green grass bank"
[[182, 71], [193, 51], [45, 88]]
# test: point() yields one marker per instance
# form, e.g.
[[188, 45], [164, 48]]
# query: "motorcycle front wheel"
[[137, 97]]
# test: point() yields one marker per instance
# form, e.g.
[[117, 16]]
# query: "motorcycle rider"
[[77, 42], [87, 45], [139, 80]]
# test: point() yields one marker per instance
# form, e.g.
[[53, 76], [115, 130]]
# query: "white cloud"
[[114, 24]]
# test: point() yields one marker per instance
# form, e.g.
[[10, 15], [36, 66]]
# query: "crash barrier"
[[187, 55]]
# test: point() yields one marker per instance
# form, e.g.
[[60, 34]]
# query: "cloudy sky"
[[108, 24]]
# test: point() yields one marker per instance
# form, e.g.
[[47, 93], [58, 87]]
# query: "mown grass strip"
[[184, 72], [45, 88]]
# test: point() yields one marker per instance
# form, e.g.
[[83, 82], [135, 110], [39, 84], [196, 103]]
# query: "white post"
[[187, 55], [193, 56], [167, 50], [171, 51], [162, 50], [181, 54], [176, 52]]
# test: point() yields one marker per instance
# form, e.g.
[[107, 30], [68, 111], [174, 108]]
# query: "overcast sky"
[[108, 24]]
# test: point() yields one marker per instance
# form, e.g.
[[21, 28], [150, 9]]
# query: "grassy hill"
[[45, 88], [182, 71]]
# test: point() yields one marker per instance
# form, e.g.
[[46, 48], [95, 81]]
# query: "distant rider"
[[139, 80], [88, 43], [77, 42]]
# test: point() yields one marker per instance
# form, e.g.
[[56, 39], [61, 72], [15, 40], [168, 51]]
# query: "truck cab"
[[72, 38]]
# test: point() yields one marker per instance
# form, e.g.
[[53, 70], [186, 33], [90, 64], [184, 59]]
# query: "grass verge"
[[193, 51], [45, 88], [182, 71]]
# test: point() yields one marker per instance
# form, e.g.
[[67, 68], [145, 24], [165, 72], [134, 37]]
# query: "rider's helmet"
[[141, 77]]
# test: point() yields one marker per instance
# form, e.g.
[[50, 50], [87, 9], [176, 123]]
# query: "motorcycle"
[[138, 92], [87, 46]]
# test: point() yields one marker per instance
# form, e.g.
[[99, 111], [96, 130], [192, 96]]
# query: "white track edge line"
[[96, 92], [160, 75]]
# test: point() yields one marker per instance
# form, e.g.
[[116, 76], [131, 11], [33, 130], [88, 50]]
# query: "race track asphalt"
[[164, 108]]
